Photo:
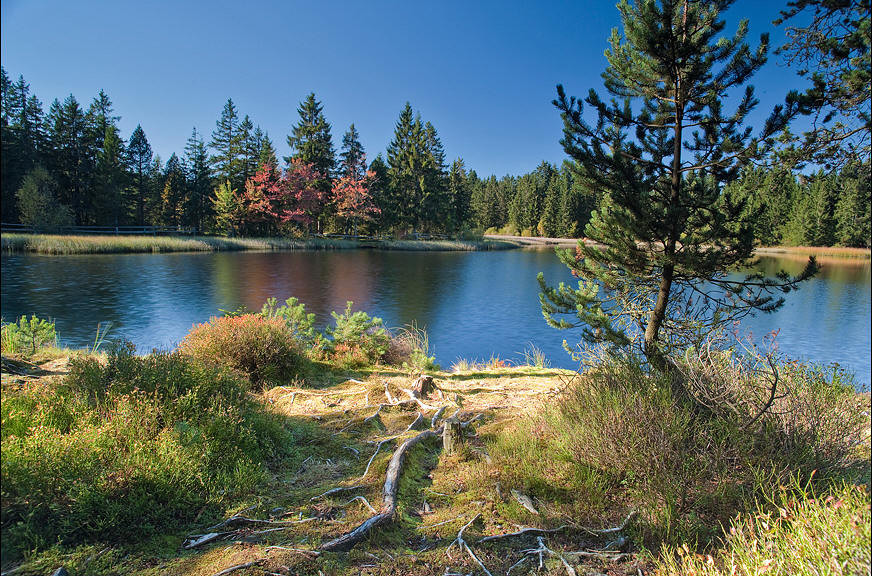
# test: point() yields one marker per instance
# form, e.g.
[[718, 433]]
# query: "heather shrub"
[[127, 448], [357, 340], [688, 465], [409, 348], [264, 349]]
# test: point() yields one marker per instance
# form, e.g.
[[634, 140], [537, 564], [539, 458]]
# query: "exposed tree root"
[[239, 567], [389, 497], [540, 551], [334, 491], [523, 532], [462, 545]]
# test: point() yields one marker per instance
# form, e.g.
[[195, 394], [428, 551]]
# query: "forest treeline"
[[71, 165]]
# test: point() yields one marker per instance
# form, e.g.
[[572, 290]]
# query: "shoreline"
[[63, 245]]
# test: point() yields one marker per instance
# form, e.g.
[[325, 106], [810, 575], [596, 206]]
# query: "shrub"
[[297, 320], [689, 466], [262, 348], [410, 349], [357, 340], [27, 336], [38, 202], [800, 534], [128, 449]]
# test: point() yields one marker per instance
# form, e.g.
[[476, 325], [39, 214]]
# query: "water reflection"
[[474, 305]]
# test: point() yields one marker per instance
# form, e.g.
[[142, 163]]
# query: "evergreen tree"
[[405, 168], [110, 179], [459, 196], [71, 157], [664, 230], [226, 207], [353, 162], [267, 153], [228, 160], [250, 144], [819, 227], [435, 209], [38, 203], [199, 181], [853, 210], [551, 219], [154, 191], [173, 199], [23, 140], [379, 192], [310, 139], [139, 162]]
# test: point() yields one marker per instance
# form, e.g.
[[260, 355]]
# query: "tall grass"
[[74, 244]]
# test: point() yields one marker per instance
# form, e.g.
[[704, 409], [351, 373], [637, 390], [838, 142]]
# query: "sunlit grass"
[[74, 244]]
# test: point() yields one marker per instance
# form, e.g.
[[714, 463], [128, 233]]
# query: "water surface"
[[474, 305]]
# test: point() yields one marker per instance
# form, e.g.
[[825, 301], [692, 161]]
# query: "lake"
[[474, 305]]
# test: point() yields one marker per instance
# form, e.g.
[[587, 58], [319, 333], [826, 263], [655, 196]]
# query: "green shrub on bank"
[[623, 432], [357, 340], [799, 534], [409, 348], [264, 349], [26, 336], [128, 448]]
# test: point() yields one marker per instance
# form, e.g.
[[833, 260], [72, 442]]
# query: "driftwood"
[[389, 498]]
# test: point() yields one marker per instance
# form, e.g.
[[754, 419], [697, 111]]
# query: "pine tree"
[[228, 160], [551, 219], [110, 179], [405, 161], [23, 140], [664, 230], [250, 144], [459, 196], [267, 153], [139, 161], [379, 191], [435, 203], [173, 194]]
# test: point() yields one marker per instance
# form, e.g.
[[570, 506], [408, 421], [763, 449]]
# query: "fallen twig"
[[334, 491], [364, 501], [523, 532], [239, 567], [615, 529]]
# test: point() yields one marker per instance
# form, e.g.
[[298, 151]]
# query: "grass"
[[818, 251], [70, 244]]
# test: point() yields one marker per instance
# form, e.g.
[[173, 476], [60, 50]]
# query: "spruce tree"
[[110, 179], [267, 153], [405, 168], [228, 159], [139, 161], [661, 150], [853, 211], [199, 182], [458, 196], [353, 162], [173, 199], [71, 157], [310, 139]]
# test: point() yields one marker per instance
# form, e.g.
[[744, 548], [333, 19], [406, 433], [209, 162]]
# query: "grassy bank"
[[63, 245], [111, 463], [821, 252]]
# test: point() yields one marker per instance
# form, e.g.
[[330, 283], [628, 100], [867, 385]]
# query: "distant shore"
[[74, 244], [820, 252]]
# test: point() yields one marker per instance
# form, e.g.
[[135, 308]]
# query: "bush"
[[128, 449], [689, 466], [357, 340], [409, 349], [38, 203], [264, 349], [27, 336], [297, 320], [800, 534]]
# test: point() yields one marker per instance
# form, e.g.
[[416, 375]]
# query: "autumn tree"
[[661, 150]]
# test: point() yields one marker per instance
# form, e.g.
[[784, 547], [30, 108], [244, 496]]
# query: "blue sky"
[[484, 73]]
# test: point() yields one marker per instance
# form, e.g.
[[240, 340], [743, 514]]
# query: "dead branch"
[[334, 491], [196, 540], [540, 551], [363, 500], [314, 553], [239, 567], [236, 521], [523, 532], [615, 529], [389, 497], [413, 397]]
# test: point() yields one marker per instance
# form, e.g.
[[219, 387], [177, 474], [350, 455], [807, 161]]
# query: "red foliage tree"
[[277, 198], [353, 199]]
